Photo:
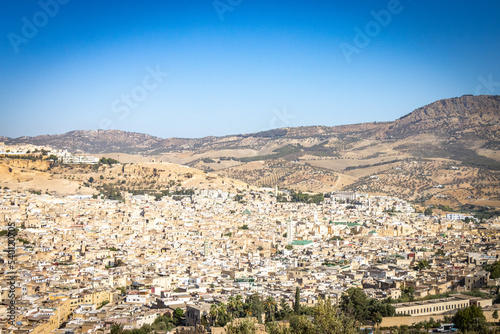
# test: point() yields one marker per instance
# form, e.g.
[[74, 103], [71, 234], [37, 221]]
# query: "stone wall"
[[398, 321]]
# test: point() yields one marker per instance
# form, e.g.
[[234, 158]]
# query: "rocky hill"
[[476, 115], [446, 151]]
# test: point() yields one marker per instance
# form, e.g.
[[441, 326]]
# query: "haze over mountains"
[[466, 117], [446, 151]]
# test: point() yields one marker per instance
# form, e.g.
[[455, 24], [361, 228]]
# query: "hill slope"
[[447, 151]]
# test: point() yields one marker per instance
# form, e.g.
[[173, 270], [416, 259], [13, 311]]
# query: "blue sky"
[[197, 68]]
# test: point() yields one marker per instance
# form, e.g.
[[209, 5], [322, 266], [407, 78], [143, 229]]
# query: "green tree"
[[120, 263], [274, 328], [213, 314], [254, 306], [178, 315], [423, 264], [470, 319], [300, 324], [439, 252], [270, 307], [407, 294], [428, 212], [241, 327], [497, 300], [104, 303], [495, 315], [219, 315], [285, 309], [116, 328], [354, 303], [235, 306], [186, 330], [494, 269], [296, 304], [107, 161], [328, 319], [159, 326]]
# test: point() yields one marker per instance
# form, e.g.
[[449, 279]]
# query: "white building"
[[69, 158], [456, 216], [350, 196], [290, 232]]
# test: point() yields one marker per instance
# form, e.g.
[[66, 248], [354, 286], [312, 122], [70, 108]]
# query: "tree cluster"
[[494, 270], [108, 161], [164, 322], [471, 319], [357, 304]]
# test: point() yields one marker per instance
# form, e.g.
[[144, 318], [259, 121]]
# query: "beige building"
[[439, 306], [195, 312], [477, 280]]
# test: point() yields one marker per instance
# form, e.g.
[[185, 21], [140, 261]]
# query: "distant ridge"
[[451, 115], [476, 117], [444, 153]]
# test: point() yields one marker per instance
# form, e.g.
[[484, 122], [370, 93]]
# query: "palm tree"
[[270, 307], [223, 317], [239, 307], [213, 314], [285, 309], [219, 315], [231, 304], [116, 328]]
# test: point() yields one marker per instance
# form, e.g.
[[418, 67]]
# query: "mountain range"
[[447, 152]]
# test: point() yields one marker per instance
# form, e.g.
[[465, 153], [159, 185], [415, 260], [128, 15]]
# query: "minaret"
[[205, 248], [289, 232]]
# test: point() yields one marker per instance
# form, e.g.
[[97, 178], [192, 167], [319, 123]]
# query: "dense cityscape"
[[159, 263], [249, 167]]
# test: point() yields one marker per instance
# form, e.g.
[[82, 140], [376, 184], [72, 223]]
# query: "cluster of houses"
[[62, 155], [83, 264]]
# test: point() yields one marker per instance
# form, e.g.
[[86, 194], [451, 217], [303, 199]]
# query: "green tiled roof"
[[301, 242]]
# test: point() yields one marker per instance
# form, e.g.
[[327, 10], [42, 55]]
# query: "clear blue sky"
[[242, 67]]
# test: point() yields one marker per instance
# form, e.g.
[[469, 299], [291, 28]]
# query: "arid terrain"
[[144, 177], [444, 153]]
